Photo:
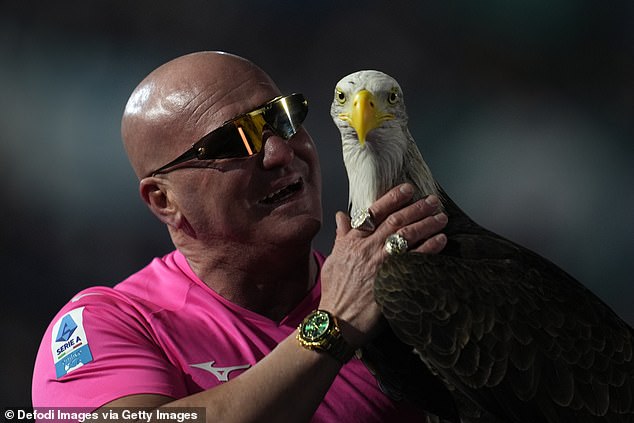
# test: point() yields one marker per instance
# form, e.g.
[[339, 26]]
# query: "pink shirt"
[[163, 331]]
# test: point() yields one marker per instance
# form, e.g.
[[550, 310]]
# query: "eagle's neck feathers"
[[416, 172], [382, 164]]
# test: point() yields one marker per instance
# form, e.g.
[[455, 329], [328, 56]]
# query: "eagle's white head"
[[378, 150]]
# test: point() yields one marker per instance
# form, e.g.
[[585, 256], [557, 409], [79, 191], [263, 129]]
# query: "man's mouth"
[[284, 193]]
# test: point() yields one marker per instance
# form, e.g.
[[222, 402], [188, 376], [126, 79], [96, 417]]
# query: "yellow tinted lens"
[[250, 130]]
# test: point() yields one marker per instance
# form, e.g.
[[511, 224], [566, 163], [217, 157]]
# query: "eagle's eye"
[[393, 97], [340, 96]]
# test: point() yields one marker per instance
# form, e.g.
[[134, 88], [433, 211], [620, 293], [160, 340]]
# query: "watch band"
[[340, 349]]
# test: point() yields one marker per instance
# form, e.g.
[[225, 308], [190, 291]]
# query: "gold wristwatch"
[[320, 331]]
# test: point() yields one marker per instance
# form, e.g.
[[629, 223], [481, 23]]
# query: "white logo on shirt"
[[80, 296], [221, 373]]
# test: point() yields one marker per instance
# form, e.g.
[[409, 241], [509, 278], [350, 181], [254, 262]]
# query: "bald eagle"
[[498, 333]]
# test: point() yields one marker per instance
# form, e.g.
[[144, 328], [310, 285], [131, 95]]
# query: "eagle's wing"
[[403, 376], [519, 339]]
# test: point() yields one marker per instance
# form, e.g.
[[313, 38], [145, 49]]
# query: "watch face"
[[315, 326]]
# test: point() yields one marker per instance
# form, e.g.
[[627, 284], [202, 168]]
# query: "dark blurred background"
[[523, 109]]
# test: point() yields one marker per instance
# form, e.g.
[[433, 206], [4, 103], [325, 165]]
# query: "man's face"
[[271, 197]]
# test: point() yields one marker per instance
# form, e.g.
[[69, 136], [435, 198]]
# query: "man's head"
[[184, 99], [225, 200]]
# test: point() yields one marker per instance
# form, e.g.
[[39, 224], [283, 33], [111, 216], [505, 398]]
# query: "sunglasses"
[[242, 136]]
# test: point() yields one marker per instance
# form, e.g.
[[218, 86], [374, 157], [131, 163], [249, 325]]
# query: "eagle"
[[487, 330]]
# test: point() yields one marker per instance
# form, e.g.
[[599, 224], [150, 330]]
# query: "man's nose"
[[277, 152]]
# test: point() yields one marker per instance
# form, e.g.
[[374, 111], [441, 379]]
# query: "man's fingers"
[[343, 224], [393, 200], [413, 213], [421, 230], [418, 223], [433, 245]]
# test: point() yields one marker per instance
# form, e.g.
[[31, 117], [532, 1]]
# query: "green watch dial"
[[316, 326]]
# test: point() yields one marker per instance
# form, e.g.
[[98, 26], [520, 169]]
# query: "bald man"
[[224, 162]]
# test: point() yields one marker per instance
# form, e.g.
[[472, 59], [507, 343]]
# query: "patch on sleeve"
[[70, 344]]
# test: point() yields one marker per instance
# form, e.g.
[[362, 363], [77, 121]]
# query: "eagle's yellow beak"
[[365, 115]]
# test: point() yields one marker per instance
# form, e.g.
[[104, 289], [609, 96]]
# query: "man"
[[242, 207]]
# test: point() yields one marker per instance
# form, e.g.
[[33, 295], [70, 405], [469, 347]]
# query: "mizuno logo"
[[221, 373], [80, 296]]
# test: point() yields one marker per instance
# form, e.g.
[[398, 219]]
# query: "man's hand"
[[348, 274]]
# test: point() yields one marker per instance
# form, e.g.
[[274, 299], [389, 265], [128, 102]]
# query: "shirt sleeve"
[[101, 347]]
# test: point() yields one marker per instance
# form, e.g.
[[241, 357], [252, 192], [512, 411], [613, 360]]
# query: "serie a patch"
[[70, 344]]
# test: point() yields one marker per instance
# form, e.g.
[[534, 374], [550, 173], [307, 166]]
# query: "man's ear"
[[154, 193]]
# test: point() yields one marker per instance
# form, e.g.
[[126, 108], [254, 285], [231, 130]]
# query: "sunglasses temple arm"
[[188, 155]]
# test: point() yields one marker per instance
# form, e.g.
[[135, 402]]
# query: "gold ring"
[[395, 244], [363, 221]]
